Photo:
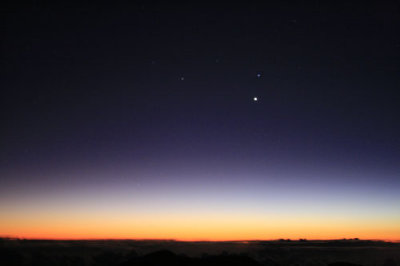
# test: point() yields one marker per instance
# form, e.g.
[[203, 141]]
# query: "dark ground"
[[130, 252]]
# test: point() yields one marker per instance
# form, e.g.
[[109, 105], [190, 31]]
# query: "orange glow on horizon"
[[197, 228]]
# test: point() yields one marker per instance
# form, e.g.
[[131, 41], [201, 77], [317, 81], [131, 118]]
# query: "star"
[[258, 75], [255, 99]]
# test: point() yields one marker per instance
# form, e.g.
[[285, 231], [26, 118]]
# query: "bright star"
[[255, 99]]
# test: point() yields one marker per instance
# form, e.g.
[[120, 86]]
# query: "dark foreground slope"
[[149, 253], [165, 257]]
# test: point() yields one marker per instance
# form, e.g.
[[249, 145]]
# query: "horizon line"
[[200, 240]]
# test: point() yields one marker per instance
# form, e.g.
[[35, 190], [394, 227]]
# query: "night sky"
[[139, 121]]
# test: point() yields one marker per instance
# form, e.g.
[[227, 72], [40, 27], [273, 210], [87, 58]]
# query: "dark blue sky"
[[167, 90]]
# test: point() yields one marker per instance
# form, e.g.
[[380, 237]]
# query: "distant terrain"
[[157, 252]]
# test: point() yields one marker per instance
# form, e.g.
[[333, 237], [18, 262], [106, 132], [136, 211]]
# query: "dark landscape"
[[156, 252]]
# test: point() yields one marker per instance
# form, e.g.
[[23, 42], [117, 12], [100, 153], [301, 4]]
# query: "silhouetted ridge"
[[14, 252]]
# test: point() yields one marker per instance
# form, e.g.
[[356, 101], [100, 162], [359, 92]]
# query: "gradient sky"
[[139, 121]]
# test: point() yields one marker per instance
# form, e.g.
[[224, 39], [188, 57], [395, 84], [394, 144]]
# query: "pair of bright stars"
[[255, 99]]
